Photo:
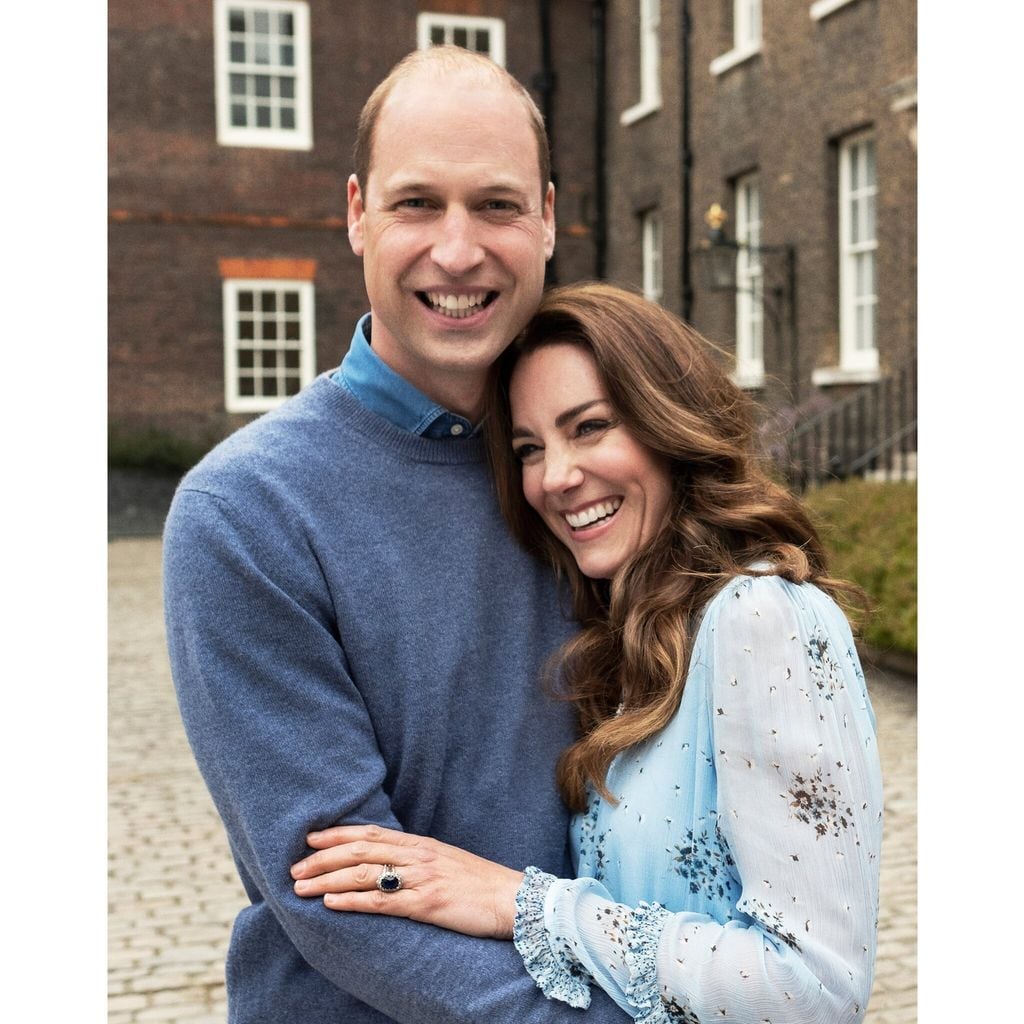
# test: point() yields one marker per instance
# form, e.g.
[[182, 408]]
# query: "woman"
[[726, 781]]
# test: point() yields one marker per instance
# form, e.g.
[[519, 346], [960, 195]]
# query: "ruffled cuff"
[[643, 933], [552, 966]]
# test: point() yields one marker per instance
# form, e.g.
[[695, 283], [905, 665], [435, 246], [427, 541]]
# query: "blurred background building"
[[750, 164]]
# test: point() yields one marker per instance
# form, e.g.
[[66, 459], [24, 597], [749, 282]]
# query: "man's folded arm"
[[286, 745]]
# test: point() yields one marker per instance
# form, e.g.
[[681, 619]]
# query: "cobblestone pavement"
[[173, 889]]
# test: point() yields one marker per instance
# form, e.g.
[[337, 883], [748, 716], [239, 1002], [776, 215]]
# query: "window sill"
[[749, 380], [826, 376], [729, 60], [823, 8], [265, 139], [640, 111]]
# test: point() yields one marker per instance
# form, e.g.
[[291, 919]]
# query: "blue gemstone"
[[390, 883]]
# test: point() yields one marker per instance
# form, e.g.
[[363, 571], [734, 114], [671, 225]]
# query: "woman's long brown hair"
[[726, 515]]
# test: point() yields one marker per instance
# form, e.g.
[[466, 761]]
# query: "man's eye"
[[502, 206], [413, 204], [525, 452]]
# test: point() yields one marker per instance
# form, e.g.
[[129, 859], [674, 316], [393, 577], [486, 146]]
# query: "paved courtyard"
[[173, 889]]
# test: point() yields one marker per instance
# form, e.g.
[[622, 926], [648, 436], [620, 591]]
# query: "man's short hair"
[[441, 59]]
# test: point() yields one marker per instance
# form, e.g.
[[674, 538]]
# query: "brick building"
[[231, 129], [232, 123]]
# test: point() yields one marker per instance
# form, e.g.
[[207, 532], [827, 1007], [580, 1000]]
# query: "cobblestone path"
[[173, 889]]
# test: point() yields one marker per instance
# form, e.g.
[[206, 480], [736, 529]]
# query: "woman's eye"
[[591, 427], [524, 452]]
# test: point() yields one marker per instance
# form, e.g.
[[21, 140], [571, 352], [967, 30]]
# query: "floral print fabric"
[[736, 879]]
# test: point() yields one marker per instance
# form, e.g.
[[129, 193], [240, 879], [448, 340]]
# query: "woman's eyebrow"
[[563, 417]]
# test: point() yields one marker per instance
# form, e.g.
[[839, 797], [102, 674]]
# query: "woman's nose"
[[562, 472]]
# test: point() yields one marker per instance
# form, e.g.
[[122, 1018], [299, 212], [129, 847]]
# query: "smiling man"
[[354, 637]]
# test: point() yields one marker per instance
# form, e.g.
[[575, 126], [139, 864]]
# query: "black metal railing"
[[870, 433]]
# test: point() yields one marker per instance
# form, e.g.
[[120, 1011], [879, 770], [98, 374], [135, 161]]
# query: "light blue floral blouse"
[[737, 877]]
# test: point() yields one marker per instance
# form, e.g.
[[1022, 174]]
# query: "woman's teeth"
[[603, 509]]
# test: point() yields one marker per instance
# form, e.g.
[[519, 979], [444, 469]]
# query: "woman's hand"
[[441, 884]]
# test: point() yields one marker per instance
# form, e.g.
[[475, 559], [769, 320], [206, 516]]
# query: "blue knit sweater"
[[355, 638]]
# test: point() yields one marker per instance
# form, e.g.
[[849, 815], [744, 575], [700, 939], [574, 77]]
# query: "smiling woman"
[[726, 780]]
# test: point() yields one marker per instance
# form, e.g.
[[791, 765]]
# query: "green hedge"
[[870, 529], [152, 449]]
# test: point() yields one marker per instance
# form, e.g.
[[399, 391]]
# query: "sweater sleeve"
[[799, 816], [285, 745]]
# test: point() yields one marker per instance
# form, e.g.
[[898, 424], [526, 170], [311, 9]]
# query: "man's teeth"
[[457, 306], [603, 509]]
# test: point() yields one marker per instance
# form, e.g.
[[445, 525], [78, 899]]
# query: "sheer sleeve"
[[799, 807]]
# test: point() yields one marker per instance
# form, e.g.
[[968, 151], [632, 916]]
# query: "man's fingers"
[[398, 904], [354, 833], [352, 853]]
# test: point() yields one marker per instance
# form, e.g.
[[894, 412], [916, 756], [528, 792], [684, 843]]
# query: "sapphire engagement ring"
[[389, 880]]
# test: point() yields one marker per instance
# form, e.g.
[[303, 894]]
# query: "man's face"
[[453, 231]]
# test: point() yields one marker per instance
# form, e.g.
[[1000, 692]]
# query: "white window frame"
[[823, 8], [749, 284], [231, 287], [299, 137], [858, 349], [746, 36], [448, 23], [650, 63], [652, 254]]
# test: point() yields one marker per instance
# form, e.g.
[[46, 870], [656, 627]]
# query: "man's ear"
[[355, 215], [549, 221]]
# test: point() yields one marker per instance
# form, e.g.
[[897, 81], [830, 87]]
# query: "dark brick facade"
[[179, 201], [781, 113]]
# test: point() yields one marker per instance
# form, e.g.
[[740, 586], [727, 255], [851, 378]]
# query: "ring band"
[[389, 880]]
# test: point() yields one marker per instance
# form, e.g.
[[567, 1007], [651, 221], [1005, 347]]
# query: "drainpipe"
[[686, 282], [600, 218], [544, 81]]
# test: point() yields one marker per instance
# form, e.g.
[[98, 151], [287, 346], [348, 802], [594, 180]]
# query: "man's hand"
[[441, 884]]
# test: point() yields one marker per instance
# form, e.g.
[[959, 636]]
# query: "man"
[[354, 637]]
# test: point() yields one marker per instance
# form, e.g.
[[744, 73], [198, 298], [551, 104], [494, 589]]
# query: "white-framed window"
[[746, 36], [269, 343], [858, 242], [650, 63], [749, 284], [651, 249], [481, 35], [262, 71]]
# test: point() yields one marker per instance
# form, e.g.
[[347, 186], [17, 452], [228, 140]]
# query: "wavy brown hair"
[[726, 515]]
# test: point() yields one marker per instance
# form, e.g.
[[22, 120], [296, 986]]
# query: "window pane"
[[237, 52], [483, 41], [236, 20], [261, 22], [291, 385], [246, 387], [854, 221], [270, 330], [237, 116], [245, 359], [285, 26], [268, 302], [287, 117], [286, 87], [262, 117], [262, 85], [869, 218], [291, 302], [459, 37], [237, 85], [270, 386], [245, 330], [436, 35], [291, 330], [261, 53], [287, 58], [268, 360], [869, 152], [245, 302], [291, 360]]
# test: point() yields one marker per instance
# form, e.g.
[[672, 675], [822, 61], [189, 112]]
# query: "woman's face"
[[600, 492]]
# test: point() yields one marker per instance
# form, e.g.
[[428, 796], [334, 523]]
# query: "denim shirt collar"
[[390, 395]]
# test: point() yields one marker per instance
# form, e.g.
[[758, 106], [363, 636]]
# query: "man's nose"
[[457, 249]]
